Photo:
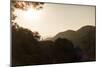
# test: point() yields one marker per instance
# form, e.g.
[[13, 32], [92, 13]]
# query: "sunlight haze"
[[55, 18]]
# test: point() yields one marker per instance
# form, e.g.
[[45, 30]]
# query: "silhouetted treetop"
[[24, 5], [64, 43]]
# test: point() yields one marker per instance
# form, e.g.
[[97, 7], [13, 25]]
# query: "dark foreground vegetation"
[[28, 50]]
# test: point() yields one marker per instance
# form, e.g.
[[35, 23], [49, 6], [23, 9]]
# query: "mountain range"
[[84, 38]]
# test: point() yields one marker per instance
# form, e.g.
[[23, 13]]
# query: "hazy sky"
[[55, 18]]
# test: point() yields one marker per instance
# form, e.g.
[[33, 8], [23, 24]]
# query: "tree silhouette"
[[64, 51], [25, 48], [63, 43], [36, 35], [24, 5]]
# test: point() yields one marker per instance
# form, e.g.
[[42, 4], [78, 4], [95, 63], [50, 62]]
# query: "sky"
[[55, 18]]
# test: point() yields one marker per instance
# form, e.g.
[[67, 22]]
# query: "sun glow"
[[31, 15]]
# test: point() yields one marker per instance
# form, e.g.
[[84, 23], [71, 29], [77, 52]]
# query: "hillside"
[[84, 38]]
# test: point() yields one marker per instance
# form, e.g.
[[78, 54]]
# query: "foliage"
[[24, 5], [24, 45]]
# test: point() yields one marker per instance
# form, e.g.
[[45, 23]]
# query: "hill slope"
[[84, 38]]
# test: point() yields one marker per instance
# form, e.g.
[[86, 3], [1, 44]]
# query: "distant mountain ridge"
[[84, 38], [81, 33]]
